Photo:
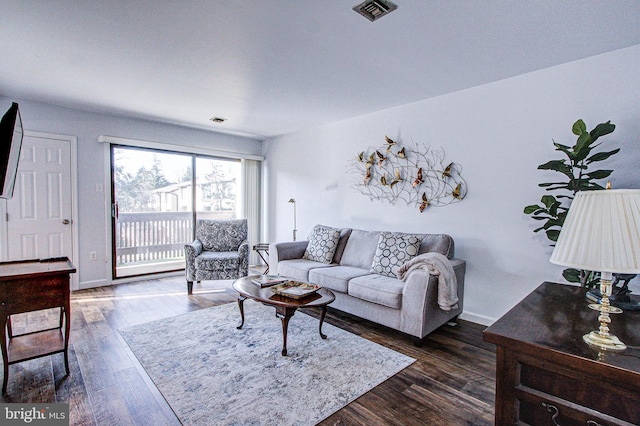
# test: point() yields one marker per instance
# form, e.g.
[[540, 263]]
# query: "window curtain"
[[251, 178]]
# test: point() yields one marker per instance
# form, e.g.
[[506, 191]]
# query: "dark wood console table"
[[546, 374], [33, 285]]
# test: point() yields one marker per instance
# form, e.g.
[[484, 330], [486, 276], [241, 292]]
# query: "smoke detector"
[[375, 9]]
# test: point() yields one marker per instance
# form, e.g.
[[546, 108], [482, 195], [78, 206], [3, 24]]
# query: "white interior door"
[[40, 214]]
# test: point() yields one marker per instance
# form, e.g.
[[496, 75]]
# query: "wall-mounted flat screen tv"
[[10, 145]]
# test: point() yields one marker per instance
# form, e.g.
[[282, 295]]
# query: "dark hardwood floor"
[[451, 383]]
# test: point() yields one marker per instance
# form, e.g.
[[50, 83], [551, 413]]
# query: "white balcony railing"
[[154, 242]]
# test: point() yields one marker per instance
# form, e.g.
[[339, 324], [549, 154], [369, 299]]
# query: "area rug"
[[212, 373]]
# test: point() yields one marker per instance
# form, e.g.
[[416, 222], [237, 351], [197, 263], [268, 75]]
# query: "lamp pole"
[[293, 201]]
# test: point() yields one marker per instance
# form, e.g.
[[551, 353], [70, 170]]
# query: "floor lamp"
[[602, 233]]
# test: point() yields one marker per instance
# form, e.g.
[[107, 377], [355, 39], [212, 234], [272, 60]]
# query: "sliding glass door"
[[157, 196], [217, 188]]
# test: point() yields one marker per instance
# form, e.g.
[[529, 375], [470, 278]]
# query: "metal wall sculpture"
[[415, 175]]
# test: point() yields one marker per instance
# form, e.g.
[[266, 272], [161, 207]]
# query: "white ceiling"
[[275, 66]]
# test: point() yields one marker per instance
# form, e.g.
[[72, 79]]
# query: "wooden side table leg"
[[9, 327], [322, 315], [5, 354], [66, 311], [241, 300]]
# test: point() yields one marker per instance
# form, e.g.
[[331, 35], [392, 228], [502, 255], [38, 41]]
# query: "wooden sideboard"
[[546, 374], [33, 285]]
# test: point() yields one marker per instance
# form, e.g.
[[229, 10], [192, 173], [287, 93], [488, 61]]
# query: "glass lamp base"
[[606, 343]]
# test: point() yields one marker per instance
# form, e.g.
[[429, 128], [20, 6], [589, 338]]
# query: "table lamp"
[[602, 233]]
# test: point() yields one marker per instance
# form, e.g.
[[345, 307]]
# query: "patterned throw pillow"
[[394, 250], [322, 244]]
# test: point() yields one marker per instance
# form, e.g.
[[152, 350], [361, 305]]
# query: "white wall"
[[93, 224], [499, 133]]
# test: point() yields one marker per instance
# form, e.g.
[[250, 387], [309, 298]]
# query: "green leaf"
[[553, 234], [600, 156], [559, 184], [566, 186], [531, 209], [540, 217], [563, 148], [599, 174], [579, 128], [571, 275], [557, 165], [582, 148], [602, 129], [553, 222], [548, 200]]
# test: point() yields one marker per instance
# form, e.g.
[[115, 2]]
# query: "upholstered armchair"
[[219, 252]]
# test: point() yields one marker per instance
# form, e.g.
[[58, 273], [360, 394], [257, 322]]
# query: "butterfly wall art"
[[416, 175]]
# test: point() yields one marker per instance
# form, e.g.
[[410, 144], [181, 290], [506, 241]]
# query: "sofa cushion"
[[323, 242], [342, 243], [394, 250], [298, 269], [214, 260], [360, 249], [335, 278], [378, 289]]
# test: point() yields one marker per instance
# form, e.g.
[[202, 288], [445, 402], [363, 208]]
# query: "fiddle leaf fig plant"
[[576, 175]]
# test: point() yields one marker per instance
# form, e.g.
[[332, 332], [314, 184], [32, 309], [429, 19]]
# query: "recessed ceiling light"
[[218, 119], [375, 9]]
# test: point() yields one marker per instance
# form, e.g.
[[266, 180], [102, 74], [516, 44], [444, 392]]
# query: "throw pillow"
[[394, 250], [323, 241]]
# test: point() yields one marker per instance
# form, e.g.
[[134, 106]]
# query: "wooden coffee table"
[[285, 306]]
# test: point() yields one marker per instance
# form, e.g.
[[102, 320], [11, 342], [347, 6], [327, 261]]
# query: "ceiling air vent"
[[375, 9]]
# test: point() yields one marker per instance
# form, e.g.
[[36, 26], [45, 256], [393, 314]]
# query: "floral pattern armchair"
[[219, 252]]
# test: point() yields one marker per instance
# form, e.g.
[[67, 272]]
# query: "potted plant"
[[577, 175]]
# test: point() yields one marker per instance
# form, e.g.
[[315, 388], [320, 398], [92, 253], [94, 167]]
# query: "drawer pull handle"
[[593, 423], [552, 409]]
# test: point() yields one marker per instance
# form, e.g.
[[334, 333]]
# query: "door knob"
[[66, 221]]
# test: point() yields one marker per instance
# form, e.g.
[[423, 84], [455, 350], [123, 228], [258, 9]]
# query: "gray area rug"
[[211, 373]]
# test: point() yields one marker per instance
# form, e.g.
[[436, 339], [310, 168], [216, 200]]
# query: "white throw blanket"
[[437, 265]]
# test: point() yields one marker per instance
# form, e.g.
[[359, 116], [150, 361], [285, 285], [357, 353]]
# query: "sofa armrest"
[[194, 248], [420, 300], [285, 251], [191, 250], [243, 254], [460, 268]]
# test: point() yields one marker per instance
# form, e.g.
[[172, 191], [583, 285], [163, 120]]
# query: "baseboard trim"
[[83, 285], [477, 318]]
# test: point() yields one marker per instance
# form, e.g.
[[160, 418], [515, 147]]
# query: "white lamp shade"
[[601, 232]]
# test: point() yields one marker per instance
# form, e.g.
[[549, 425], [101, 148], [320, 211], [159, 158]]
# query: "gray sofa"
[[410, 306]]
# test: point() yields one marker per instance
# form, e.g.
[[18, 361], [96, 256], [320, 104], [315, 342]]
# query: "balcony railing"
[[154, 242], [145, 237]]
